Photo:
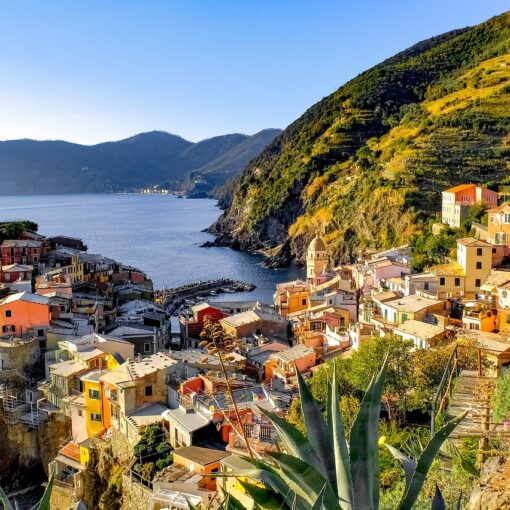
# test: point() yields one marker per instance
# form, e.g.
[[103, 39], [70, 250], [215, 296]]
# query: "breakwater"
[[172, 299]]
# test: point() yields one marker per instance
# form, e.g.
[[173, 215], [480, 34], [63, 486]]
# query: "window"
[[8, 313], [40, 332], [442, 281], [148, 391], [258, 331], [426, 286], [506, 218], [457, 282], [478, 265], [494, 250], [479, 252], [95, 417], [303, 301], [8, 329], [478, 282], [94, 394], [404, 317], [508, 318], [147, 347], [80, 412]]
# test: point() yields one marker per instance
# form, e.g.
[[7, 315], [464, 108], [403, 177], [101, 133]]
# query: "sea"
[[160, 234]]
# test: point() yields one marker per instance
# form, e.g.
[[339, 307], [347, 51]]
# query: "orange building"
[[23, 312], [204, 461]]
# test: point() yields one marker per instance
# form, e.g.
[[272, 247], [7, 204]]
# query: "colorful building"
[[24, 312], [457, 202]]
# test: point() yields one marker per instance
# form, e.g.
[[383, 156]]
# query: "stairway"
[[473, 393]]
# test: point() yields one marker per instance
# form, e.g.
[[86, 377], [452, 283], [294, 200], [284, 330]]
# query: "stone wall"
[[135, 496], [493, 489], [62, 497]]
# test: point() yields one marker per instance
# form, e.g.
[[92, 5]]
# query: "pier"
[[172, 299]]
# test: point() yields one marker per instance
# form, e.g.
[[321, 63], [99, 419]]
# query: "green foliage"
[[429, 249], [152, 451], [367, 361], [327, 471], [501, 399], [14, 229]]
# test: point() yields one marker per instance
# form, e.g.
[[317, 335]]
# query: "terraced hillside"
[[365, 165]]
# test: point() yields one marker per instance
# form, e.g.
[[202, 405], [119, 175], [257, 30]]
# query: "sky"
[[88, 71]]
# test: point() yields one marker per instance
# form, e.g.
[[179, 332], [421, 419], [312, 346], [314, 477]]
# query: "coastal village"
[[91, 368]]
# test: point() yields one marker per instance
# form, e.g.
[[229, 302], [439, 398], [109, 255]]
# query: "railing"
[[444, 390]]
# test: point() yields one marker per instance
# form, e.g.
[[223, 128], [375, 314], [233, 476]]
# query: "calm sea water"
[[159, 234]]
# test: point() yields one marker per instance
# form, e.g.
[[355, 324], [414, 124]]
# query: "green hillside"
[[366, 164]]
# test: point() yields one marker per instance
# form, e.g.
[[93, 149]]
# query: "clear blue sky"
[[95, 70]]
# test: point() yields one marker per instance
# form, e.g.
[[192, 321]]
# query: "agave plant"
[[327, 472], [43, 504]]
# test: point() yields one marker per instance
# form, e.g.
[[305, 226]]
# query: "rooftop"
[[25, 296], [413, 303], [92, 376], [294, 353], [472, 242], [419, 329], [496, 278], [451, 269], [191, 420], [14, 268], [147, 415], [149, 364], [248, 317], [384, 296], [67, 368], [201, 456], [21, 243], [460, 187]]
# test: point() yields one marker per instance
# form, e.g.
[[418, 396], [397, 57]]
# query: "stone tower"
[[316, 258]]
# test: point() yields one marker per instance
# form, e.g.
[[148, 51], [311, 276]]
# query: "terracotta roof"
[[471, 241], [451, 269], [460, 187]]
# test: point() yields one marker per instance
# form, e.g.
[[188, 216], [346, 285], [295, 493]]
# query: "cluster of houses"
[[107, 365]]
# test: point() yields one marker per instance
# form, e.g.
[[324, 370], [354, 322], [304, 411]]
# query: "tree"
[[367, 361]]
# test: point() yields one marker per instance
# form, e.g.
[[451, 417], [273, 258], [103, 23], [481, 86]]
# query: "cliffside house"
[[457, 201]]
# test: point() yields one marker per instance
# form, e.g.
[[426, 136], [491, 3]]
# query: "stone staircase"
[[473, 393]]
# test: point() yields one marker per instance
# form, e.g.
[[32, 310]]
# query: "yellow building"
[[316, 259], [78, 269], [464, 276], [93, 402]]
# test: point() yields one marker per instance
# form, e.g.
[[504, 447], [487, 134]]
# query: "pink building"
[[457, 201]]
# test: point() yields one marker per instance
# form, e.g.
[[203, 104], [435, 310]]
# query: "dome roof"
[[317, 244]]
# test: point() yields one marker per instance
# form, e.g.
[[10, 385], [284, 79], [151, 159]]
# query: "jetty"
[[173, 298]]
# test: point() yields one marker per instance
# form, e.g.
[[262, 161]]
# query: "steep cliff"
[[365, 165]]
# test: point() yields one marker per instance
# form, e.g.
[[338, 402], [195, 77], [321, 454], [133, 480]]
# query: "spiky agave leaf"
[[265, 500], [364, 448], [3, 499], [319, 502], [408, 464], [425, 461], [340, 448], [318, 433], [44, 504], [438, 501], [304, 480]]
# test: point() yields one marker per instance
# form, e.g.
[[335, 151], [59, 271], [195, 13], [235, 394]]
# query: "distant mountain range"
[[143, 160]]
